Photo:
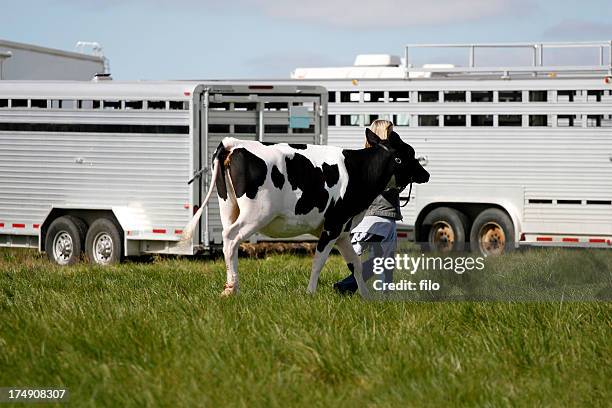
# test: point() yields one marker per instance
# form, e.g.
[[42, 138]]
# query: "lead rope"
[[409, 194]]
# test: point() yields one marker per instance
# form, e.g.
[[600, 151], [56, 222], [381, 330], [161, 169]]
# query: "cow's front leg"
[[351, 258], [320, 257]]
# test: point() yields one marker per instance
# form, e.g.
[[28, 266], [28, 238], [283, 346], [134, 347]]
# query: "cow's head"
[[406, 168]]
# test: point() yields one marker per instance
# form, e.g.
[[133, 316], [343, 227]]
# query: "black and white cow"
[[284, 190]]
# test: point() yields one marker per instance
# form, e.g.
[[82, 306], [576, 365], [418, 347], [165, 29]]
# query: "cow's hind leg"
[[245, 226], [352, 259], [230, 253], [229, 212]]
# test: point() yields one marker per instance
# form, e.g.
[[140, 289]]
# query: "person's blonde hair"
[[382, 128]]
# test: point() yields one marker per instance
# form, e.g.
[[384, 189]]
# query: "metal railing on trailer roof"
[[537, 67]]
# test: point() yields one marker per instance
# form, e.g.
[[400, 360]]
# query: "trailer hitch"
[[198, 174]]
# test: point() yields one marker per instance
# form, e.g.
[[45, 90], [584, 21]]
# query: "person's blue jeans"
[[376, 247]]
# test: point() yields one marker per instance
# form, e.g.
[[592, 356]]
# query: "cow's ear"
[[394, 139], [372, 138]]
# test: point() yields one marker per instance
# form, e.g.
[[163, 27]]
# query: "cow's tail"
[[191, 226]]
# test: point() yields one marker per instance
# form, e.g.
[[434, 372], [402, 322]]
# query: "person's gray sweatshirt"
[[386, 205]]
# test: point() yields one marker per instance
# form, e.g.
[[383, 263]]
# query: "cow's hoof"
[[229, 290]]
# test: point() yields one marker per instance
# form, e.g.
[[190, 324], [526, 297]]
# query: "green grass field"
[[157, 334]]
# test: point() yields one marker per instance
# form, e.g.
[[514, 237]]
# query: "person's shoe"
[[346, 286]]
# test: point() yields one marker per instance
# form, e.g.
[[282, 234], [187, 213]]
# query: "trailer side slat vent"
[[178, 105], [350, 120], [112, 104], [482, 120], [482, 96], [156, 104], [349, 96], [133, 104], [429, 96], [310, 129], [538, 120], [429, 120], [276, 128], [569, 201], [599, 202], [399, 96], [454, 96], [276, 106], [245, 106], [88, 104], [566, 96], [219, 106], [217, 128], [92, 128], [510, 96], [510, 120], [538, 96], [39, 103], [374, 96], [454, 120], [19, 103], [245, 129]]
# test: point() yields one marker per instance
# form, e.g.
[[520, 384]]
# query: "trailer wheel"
[[64, 240], [103, 244], [445, 230], [492, 233]]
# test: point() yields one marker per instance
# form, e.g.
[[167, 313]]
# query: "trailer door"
[[279, 116]]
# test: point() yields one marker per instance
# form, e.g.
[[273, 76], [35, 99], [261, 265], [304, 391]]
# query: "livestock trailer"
[[519, 154], [104, 167]]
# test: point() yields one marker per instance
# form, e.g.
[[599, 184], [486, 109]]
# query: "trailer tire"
[[103, 244], [444, 228], [492, 233], [64, 240]]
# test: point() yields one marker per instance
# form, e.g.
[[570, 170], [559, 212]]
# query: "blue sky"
[[189, 39]]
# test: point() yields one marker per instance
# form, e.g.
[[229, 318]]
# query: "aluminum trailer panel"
[[134, 162], [536, 143], [129, 149]]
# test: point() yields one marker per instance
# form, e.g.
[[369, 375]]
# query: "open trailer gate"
[[261, 114]]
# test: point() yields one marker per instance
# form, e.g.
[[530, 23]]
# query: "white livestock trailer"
[[518, 155], [103, 167]]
